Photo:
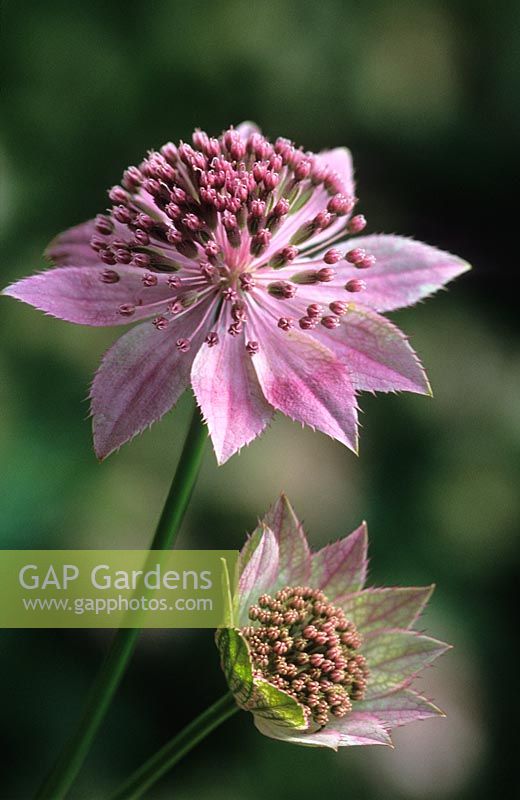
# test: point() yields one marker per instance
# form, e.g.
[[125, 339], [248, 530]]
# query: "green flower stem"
[[69, 763], [172, 752]]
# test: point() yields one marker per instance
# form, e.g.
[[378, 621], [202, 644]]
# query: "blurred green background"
[[424, 93]]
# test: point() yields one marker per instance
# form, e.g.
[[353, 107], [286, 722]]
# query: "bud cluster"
[[304, 645], [180, 196], [218, 218]]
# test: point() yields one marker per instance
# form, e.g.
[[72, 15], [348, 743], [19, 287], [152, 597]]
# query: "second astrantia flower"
[[317, 658], [225, 247]]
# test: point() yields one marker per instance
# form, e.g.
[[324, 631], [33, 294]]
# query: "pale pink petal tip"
[[295, 556], [229, 396], [341, 568]]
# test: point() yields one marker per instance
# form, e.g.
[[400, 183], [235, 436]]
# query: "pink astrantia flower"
[[318, 659], [224, 247]]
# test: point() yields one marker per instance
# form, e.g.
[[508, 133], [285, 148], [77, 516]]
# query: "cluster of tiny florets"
[[206, 213], [304, 645]]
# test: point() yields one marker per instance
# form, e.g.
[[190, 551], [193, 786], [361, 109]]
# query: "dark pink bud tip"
[[107, 257], [183, 345], [322, 220], [281, 208], [366, 262], [123, 256], [122, 214], [326, 274], [211, 339], [161, 323], [282, 257], [212, 250], [174, 236], [260, 242], [285, 323], [252, 348], [145, 221], [307, 323], [303, 169], [132, 178], [356, 224], [340, 204], [98, 243], [356, 255], [142, 260], [235, 328], [330, 322], [247, 282], [332, 256], [289, 253], [229, 294], [142, 237], [126, 310], [355, 285], [338, 307], [169, 151], [118, 195], [271, 180], [314, 310], [257, 208], [104, 225], [109, 276], [149, 279], [200, 139], [238, 312], [173, 211]]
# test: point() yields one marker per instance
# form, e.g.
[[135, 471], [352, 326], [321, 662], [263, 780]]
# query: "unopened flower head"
[[305, 646], [316, 658], [233, 250]]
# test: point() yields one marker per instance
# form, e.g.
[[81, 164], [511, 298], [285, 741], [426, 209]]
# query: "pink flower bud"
[[355, 285], [356, 255], [330, 322], [326, 274], [338, 307], [356, 224], [332, 256], [366, 262]]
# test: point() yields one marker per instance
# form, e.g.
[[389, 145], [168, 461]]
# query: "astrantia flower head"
[[316, 658], [230, 249]]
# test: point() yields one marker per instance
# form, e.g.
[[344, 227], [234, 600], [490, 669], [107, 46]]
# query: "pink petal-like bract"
[[236, 252], [317, 658]]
